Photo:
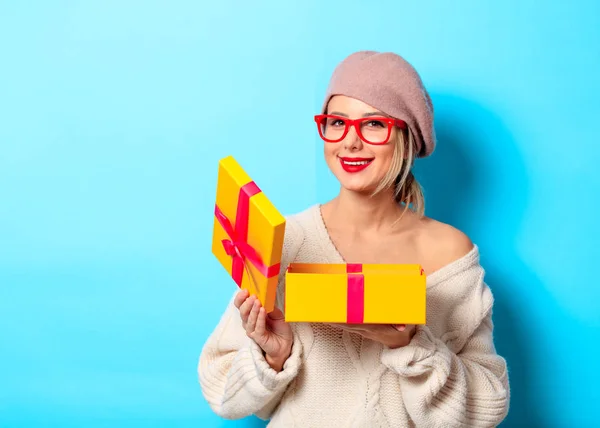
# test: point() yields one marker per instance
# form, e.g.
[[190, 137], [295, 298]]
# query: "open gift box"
[[248, 233], [355, 293]]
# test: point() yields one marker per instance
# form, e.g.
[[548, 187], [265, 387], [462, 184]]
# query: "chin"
[[357, 185]]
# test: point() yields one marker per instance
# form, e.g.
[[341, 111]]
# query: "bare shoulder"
[[441, 244]]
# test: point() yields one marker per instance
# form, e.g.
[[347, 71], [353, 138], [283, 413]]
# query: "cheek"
[[385, 154], [330, 151]]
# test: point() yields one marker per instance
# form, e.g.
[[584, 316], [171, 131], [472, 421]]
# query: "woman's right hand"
[[269, 331]]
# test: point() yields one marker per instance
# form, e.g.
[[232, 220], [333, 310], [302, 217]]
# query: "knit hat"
[[387, 82]]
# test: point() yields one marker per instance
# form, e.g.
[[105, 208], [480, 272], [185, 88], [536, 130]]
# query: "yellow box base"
[[393, 294]]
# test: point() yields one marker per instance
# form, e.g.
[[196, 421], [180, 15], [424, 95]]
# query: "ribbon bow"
[[237, 246]]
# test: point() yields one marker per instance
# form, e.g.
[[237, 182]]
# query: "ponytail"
[[410, 193]]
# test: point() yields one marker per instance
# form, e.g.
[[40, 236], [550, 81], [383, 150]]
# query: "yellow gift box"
[[248, 233], [355, 293]]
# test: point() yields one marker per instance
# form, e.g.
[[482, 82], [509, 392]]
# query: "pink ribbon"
[[237, 246], [355, 306]]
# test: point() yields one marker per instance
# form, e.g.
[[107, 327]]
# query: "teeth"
[[357, 163]]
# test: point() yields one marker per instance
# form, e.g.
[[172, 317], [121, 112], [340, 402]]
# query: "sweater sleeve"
[[443, 387], [234, 376]]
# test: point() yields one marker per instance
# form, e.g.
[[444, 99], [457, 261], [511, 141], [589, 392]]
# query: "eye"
[[376, 124], [335, 122]]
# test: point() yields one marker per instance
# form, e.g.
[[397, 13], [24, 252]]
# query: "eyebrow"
[[374, 113]]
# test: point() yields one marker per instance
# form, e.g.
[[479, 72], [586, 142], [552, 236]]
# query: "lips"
[[354, 165]]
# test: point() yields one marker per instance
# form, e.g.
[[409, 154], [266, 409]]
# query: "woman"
[[377, 118]]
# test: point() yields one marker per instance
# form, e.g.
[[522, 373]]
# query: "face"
[[359, 166]]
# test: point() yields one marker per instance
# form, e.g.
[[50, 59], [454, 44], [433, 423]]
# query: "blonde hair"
[[407, 190]]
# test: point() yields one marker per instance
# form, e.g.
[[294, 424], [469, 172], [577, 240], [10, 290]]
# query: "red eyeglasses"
[[372, 130]]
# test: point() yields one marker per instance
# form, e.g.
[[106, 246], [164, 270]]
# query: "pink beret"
[[387, 82]]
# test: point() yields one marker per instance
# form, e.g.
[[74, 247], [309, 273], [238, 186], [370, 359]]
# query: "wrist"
[[277, 361], [403, 339]]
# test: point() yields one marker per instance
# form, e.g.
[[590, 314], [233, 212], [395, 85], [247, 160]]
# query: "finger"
[[276, 314], [261, 322], [246, 308], [251, 325], [240, 297]]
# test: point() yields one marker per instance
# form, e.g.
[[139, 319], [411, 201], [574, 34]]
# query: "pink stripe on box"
[[355, 294]]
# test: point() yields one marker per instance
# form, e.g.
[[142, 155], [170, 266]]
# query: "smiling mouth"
[[353, 165], [355, 162]]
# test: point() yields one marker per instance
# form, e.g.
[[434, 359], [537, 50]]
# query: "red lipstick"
[[353, 165]]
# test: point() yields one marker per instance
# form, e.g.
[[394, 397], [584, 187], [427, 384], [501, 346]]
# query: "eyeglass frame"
[[356, 123]]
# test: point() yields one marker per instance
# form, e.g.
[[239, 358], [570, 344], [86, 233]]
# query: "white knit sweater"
[[448, 376]]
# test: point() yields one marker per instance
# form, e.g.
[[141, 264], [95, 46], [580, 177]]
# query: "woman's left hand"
[[392, 336]]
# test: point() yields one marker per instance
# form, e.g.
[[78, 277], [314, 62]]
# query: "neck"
[[363, 212]]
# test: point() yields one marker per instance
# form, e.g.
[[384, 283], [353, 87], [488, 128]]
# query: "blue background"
[[113, 116]]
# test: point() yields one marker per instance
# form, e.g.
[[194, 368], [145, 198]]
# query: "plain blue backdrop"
[[113, 116]]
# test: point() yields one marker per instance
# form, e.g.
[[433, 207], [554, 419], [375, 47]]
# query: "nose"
[[352, 141]]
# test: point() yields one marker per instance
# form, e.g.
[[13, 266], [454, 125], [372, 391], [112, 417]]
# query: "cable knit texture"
[[448, 376]]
